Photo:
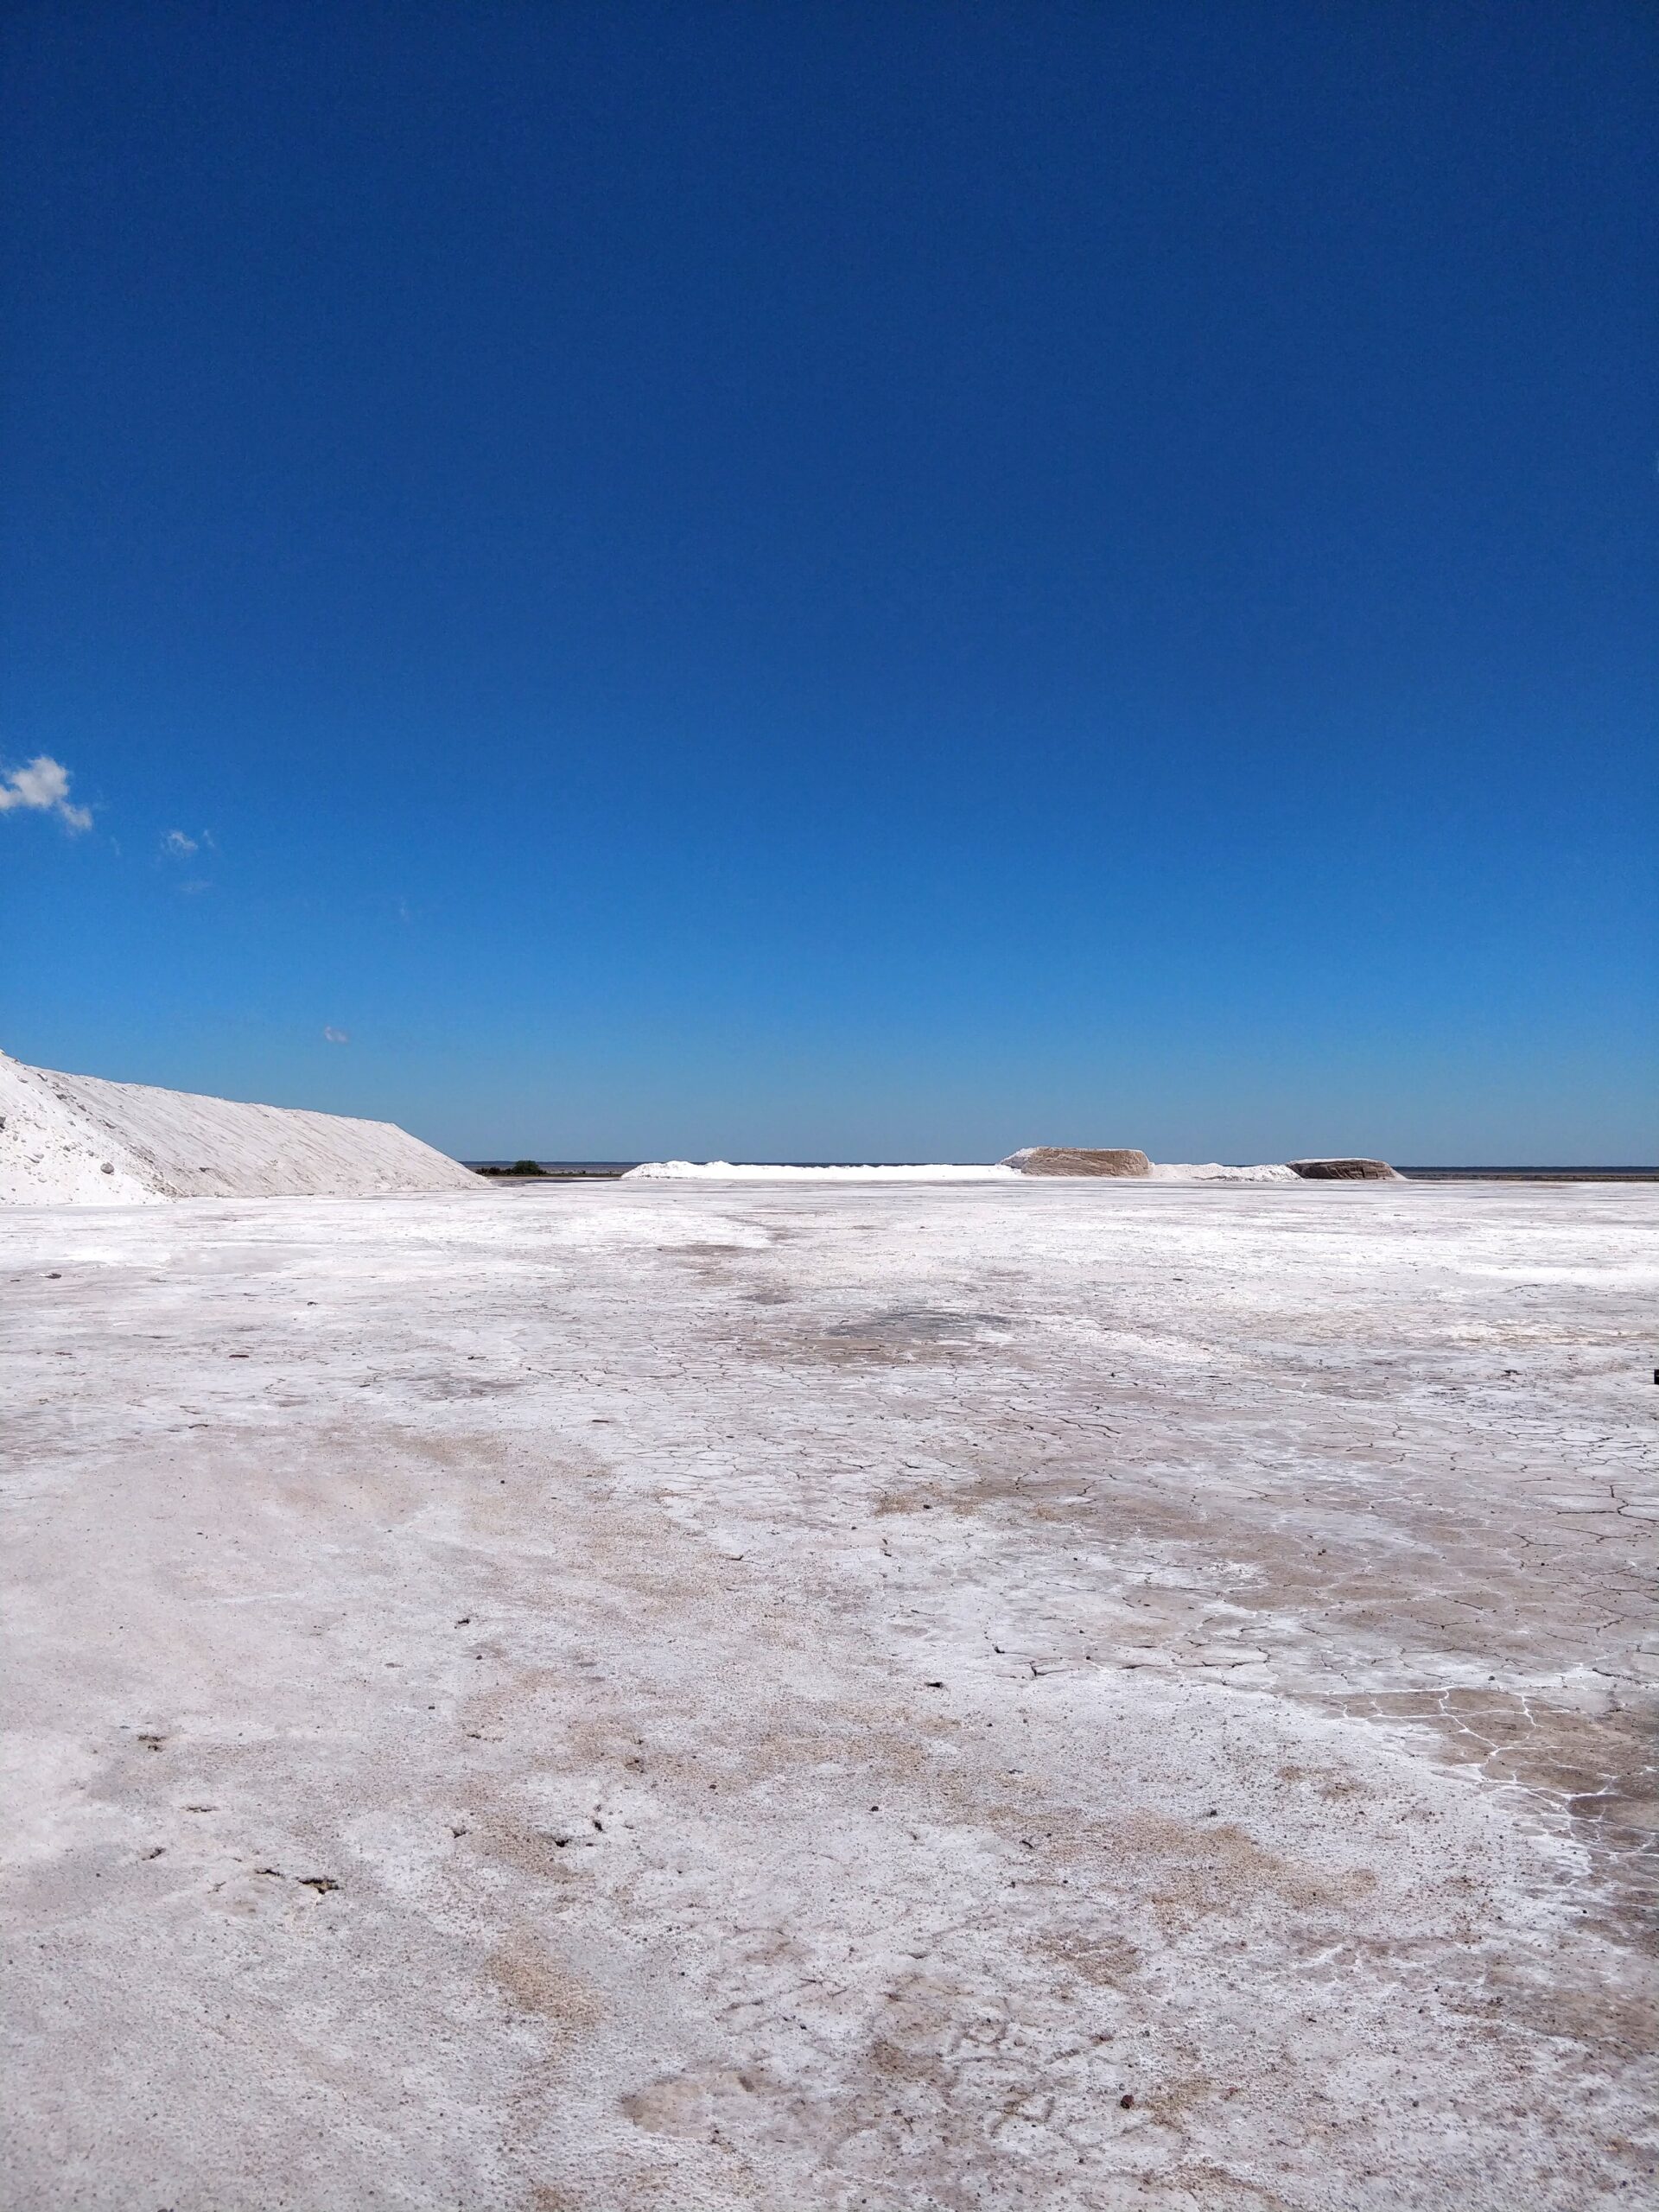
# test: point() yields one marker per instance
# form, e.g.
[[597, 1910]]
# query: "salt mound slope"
[[75, 1140]]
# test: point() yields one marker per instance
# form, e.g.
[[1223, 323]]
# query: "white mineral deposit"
[[829, 1695], [77, 1140]]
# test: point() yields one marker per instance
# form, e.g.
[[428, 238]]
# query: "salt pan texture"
[[75, 1139], [684, 1697]]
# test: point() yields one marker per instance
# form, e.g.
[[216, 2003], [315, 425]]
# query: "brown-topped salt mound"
[[1072, 1159], [1345, 1171], [75, 1140]]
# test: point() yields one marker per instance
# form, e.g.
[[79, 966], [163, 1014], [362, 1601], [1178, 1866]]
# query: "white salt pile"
[[1127, 1164], [1214, 1170], [75, 1140]]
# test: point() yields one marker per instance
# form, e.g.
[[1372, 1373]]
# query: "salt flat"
[[678, 1696]]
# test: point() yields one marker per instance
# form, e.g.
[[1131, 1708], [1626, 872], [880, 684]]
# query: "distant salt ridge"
[[75, 1139], [725, 1171], [1215, 1171]]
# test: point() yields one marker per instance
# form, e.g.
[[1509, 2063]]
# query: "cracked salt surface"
[[1008, 1695]]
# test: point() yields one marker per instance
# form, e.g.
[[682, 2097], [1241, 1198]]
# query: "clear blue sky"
[[883, 581]]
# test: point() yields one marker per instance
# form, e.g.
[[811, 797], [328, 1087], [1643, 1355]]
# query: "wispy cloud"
[[177, 843], [338, 1036], [42, 785]]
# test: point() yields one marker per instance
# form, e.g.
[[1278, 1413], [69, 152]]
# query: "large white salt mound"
[[75, 1140], [724, 1170]]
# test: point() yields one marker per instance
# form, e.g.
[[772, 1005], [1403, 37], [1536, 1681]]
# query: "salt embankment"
[[1125, 1164], [1012, 1170], [76, 1140], [726, 1170]]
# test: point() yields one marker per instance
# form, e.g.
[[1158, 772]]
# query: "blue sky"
[[841, 581]]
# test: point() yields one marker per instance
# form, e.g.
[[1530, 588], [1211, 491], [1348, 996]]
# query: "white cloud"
[[338, 1036], [176, 842], [44, 786]]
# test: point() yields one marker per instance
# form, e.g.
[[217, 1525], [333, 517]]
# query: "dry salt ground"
[[700, 1695]]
